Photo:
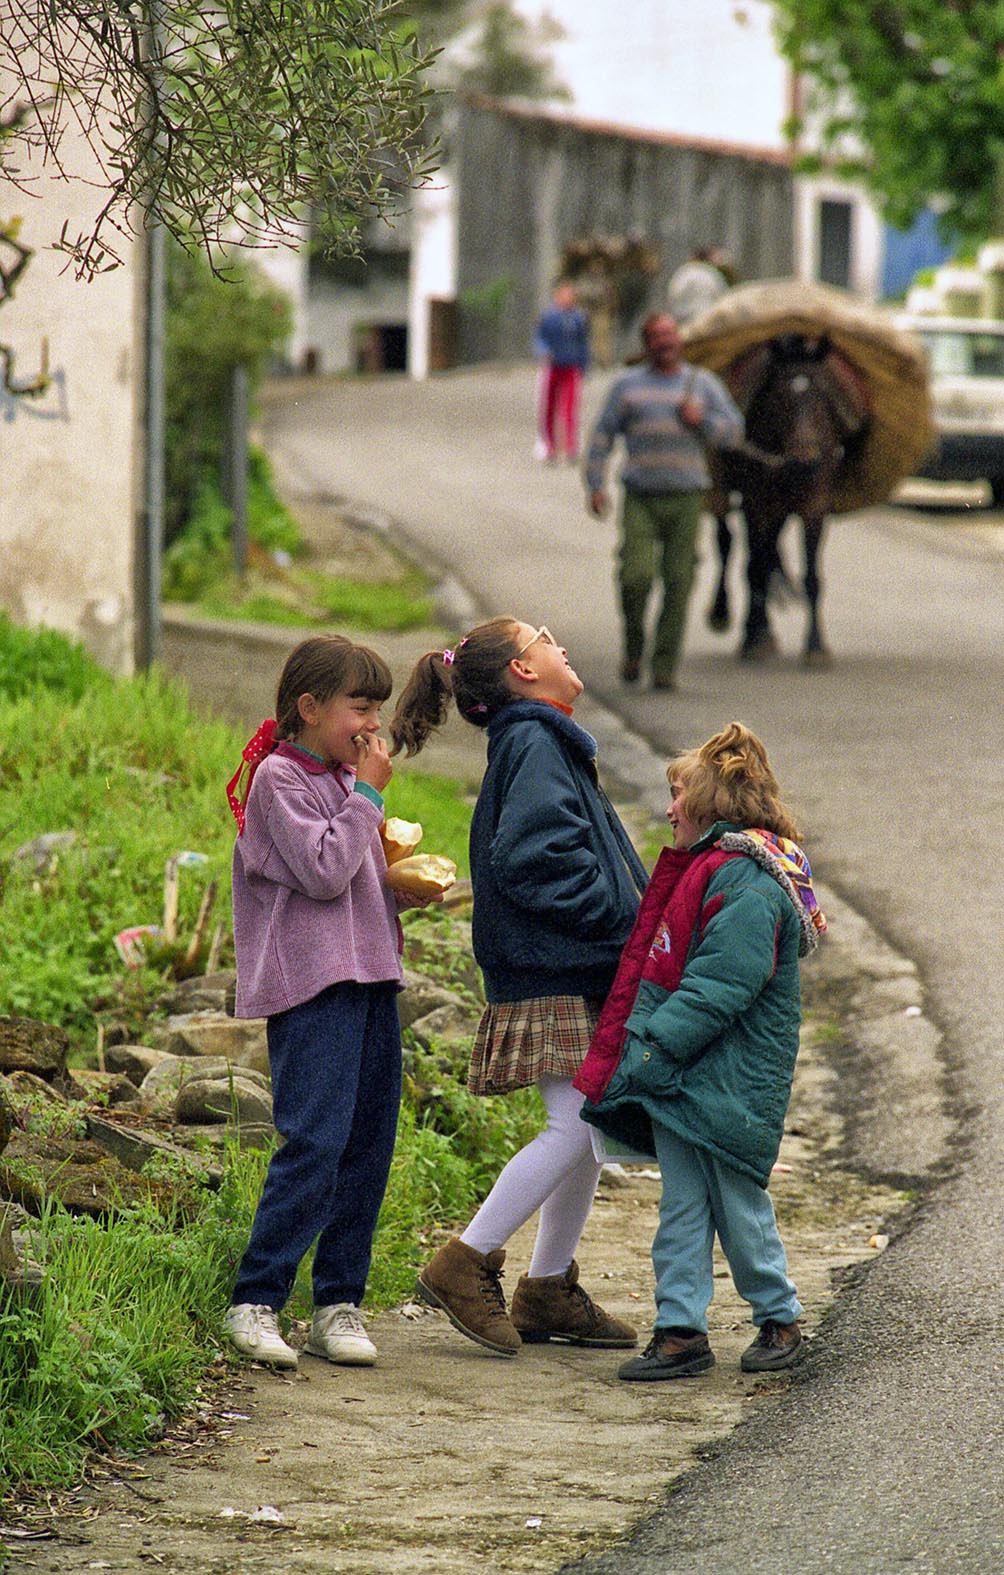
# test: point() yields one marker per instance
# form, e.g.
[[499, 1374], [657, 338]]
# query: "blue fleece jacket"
[[562, 334], [556, 879]]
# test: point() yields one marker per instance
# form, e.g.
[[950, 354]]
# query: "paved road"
[[888, 1455]]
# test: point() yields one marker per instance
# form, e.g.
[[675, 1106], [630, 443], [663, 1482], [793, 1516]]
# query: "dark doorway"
[[394, 347], [382, 347], [835, 242]]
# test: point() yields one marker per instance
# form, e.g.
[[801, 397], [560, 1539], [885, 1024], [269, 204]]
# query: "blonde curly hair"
[[730, 778]]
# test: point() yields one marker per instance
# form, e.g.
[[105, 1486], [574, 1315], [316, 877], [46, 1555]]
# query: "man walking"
[[666, 411]]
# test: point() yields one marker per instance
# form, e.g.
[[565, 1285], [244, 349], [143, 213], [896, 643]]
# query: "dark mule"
[[806, 409]]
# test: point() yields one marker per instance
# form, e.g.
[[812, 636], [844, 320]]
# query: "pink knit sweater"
[[310, 904]]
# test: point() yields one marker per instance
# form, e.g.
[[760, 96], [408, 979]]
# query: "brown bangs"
[[367, 675]]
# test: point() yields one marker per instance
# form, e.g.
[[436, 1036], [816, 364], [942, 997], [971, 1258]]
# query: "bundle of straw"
[[890, 362]]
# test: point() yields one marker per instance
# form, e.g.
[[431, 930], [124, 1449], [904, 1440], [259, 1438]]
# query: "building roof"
[[530, 110]]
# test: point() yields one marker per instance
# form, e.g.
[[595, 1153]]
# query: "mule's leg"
[[718, 612], [762, 532], [781, 587], [816, 653]]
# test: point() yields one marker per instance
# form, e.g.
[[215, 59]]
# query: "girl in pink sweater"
[[318, 947]]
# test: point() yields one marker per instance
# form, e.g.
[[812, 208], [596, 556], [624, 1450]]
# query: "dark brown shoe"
[[555, 1307], [467, 1286], [777, 1345], [630, 671], [667, 685], [670, 1355]]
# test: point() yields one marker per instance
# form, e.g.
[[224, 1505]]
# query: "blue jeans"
[[702, 1195], [336, 1088]]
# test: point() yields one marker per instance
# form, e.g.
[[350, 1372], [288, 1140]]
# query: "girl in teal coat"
[[694, 1052]]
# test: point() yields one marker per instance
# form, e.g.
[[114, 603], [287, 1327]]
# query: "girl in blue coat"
[[556, 890], [694, 1052]]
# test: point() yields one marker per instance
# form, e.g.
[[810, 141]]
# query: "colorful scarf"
[[790, 863], [254, 752]]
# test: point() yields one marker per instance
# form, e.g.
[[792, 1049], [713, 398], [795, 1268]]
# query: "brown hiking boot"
[[466, 1285], [555, 1307]]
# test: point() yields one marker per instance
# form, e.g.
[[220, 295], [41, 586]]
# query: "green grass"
[[304, 598], [131, 772], [279, 586], [138, 776], [115, 1343]]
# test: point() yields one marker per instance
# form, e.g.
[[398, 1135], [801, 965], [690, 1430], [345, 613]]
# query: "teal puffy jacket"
[[700, 1032]]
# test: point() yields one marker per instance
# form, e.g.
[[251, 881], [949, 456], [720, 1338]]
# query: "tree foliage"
[[908, 95], [489, 47], [220, 119], [510, 56], [213, 325]]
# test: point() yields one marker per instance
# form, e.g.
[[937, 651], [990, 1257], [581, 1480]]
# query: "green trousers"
[[658, 538]]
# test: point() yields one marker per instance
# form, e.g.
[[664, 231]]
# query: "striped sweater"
[[663, 453]]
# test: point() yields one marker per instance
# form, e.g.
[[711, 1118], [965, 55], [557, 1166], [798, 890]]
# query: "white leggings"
[[556, 1173]]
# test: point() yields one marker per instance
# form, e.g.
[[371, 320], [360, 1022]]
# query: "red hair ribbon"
[[254, 752]]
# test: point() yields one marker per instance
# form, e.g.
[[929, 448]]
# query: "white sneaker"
[[339, 1333], [254, 1331]]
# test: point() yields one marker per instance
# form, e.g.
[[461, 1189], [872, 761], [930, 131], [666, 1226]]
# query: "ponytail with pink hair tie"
[[254, 752]]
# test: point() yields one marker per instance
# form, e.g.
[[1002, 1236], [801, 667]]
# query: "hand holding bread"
[[425, 877]]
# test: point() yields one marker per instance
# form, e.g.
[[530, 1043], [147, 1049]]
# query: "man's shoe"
[[630, 671], [777, 1345], [670, 1355], [339, 1333], [555, 1307], [254, 1331], [663, 683], [467, 1286]]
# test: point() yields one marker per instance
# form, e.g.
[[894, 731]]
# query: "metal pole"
[[153, 450], [236, 461], [151, 545]]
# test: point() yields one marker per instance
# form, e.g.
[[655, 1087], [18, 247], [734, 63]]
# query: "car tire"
[[997, 491]]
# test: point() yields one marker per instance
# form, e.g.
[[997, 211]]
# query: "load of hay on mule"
[[837, 411]]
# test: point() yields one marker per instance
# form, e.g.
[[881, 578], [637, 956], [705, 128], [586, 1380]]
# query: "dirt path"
[[443, 1457]]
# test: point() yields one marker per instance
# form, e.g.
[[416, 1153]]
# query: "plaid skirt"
[[518, 1042]]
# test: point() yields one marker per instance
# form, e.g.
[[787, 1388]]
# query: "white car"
[[966, 360]]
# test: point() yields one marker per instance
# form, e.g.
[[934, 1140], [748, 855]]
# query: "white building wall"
[[339, 315], [286, 267], [70, 497], [433, 273], [867, 238]]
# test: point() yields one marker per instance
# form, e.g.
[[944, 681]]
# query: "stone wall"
[[529, 183]]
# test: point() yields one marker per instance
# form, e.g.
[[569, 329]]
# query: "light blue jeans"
[[702, 1195]]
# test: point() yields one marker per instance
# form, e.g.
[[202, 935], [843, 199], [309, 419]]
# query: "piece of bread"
[[400, 838], [422, 875]]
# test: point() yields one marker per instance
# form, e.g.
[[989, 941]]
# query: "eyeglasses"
[[543, 633]]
